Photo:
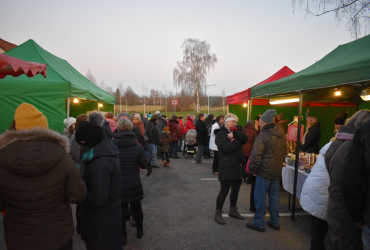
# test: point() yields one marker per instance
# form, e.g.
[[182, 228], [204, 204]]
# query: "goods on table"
[[306, 161]]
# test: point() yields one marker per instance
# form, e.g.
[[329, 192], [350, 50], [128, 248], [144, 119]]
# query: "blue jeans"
[[366, 237], [272, 188], [153, 149], [179, 148]]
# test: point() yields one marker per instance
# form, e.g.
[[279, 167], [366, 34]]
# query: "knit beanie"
[[89, 134], [81, 118], [69, 121], [166, 129], [269, 116], [27, 116], [341, 118]]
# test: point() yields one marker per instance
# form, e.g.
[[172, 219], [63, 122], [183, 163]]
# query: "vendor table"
[[288, 181]]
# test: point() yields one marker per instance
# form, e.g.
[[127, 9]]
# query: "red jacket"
[[189, 124], [175, 130], [182, 127]]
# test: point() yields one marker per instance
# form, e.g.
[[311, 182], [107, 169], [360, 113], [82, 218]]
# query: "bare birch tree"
[[355, 12], [121, 92], [91, 77], [195, 66]]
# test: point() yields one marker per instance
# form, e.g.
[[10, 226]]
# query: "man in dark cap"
[[340, 120]]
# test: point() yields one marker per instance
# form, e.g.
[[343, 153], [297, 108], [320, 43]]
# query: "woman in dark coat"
[[153, 136], [311, 139], [343, 231], [101, 210], [202, 135], [231, 164], [132, 156]]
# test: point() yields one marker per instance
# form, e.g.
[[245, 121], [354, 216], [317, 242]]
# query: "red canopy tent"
[[243, 96], [15, 67]]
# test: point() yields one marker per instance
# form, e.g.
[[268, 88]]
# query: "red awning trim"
[[245, 95], [15, 67]]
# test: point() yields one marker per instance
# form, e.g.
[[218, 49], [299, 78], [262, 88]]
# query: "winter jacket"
[[101, 210], [139, 137], [189, 124], [152, 133], [132, 156], [267, 156], [344, 232], [67, 133], [175, 130], [107, 130], [145, 121], [251, 132], [311, 144], [74, 148], [161, 123], [231, 160], [356, 178], [165, 141], [212, 143], [112, 124], [208, 123], [202, 133], [181, 123], [314, 196], [140, 126], [38, 180]]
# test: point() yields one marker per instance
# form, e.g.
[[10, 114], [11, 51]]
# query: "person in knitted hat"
[[266, 162], [164, 144], [70, 123], [340, 120], [38, 180], [311, 139], [101, 210]]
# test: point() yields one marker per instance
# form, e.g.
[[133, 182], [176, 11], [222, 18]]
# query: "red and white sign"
[[293, 131], [174, 102]]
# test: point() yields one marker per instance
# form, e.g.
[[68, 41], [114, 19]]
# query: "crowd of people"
[[96, 164]]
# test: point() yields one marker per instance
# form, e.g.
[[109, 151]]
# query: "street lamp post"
[[208, 94]]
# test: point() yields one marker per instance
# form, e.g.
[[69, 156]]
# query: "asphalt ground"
[[179, 212]]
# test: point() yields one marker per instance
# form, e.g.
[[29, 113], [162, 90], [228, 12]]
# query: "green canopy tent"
[[345, 71], [52, 95]]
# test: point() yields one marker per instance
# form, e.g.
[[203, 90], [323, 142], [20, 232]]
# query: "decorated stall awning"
[[245, 95], [15, 67]]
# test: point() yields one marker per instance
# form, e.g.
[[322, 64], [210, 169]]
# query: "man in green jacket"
[[266, 162]]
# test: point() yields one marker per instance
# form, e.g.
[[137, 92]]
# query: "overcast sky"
[[139, 42]]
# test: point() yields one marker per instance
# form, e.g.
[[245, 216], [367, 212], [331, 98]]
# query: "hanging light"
[[75, 100], [100, 105], [365, 94], [338, 93], [284, 100], [245, 105]]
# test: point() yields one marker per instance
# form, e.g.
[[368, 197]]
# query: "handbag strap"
[[336, 153]]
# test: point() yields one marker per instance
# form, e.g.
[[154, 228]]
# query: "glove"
[[149, 170]]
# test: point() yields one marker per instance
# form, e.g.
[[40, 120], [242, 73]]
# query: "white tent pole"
[[68, 101]]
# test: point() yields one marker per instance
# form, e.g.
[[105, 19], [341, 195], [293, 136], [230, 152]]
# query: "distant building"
[[5, 46]]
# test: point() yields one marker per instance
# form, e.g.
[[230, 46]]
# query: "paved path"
[[179, 209]]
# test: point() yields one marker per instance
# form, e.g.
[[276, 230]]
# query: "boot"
[[218, 217], [139, 233], [233, 212], [164, 163], [167, 164]]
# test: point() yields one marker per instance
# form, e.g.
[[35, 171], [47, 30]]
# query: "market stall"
[[15, 67], [341, 76], [58, 96]]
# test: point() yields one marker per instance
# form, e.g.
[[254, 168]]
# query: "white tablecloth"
[[288, 180]]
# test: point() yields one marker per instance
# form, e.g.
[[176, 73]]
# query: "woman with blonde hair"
[[231, 163]]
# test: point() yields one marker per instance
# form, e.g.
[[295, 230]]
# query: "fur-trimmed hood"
[[31, 152]]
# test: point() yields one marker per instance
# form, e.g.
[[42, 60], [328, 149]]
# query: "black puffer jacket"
[[231, 158], [311, 144], [101, 210], [202, 133], [139, 137], [132, 156], [152, 133], [107, 130], [161, 123], [267, 156]]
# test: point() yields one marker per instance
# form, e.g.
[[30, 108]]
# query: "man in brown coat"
[[266, 162], [38, 180]]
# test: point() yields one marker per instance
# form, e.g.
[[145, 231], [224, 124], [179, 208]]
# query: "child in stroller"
[[191, 145]]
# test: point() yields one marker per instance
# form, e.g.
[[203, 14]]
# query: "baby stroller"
[[191, 145]]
